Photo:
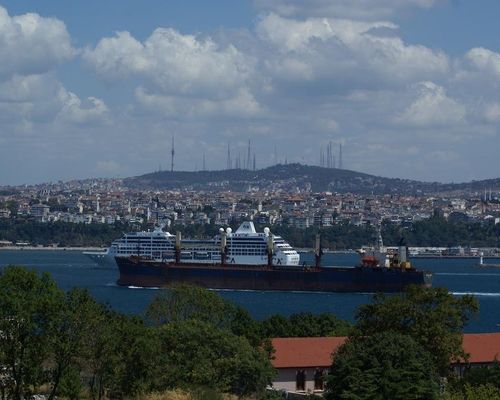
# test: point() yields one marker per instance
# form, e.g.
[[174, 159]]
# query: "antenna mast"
[[173, 153], [340, 155]]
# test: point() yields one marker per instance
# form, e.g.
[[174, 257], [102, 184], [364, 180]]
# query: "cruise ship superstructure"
[[244, 246]]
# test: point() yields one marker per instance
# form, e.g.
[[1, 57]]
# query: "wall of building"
[[285, 380]]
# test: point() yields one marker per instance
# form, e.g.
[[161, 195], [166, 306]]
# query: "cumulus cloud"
[[432, 107], [42, 98], [173, 63], [346, 52], [484, 60], [353, 9], [242, 105], [31, 44]]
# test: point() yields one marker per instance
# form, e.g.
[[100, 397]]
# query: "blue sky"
[[410, 88]]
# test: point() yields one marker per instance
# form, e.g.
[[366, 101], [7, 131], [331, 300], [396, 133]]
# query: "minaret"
[[173, 153]]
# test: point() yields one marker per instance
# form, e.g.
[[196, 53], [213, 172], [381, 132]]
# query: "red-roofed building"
[[302, 362]]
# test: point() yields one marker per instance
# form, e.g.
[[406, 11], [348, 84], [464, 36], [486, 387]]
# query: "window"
[[300, 380], [318, 379]]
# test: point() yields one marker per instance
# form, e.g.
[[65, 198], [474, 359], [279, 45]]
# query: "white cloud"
[[345, 52], [355, 9], [484, 60], [242, 105], [173, 63], [43, 99], [31, 44], [432, 107], [90, 111]]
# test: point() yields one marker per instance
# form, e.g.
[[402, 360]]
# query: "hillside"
[[292, 176]]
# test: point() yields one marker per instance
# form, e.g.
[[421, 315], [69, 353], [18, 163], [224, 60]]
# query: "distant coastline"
[[51, 248]]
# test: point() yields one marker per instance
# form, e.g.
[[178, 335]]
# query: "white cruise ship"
[[245, 246]]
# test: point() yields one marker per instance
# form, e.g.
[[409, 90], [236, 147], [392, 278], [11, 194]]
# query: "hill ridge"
[[287, 176]]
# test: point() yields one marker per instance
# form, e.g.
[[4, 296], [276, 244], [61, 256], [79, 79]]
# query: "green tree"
[[29, 304], [276, 326], [184, 302], [136, 346], [72, 324], [484, 375], [99, 354], [481, 392], [432, 317], [305, 324], [382, 366], [194, 353]]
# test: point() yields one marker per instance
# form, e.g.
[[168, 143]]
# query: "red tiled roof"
[[305, 352], [317, 351], [482, 347]]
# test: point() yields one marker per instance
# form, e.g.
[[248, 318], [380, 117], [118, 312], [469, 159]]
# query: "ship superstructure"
[[244, 246]]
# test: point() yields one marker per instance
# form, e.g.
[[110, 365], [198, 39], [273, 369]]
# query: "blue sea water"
[[459, 276]]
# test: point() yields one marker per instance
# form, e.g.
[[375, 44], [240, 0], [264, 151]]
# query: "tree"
[[432, 317], [483, 376], [29, 304], [194, 353], [481, 392], [72, 324], [305, 324], [184, 302], [382, 366], [136, 347], [100, 351]]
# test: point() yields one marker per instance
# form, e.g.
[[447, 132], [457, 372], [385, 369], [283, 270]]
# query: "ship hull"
[[250, 277]]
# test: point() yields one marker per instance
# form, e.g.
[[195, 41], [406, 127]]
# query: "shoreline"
[[48, 248]]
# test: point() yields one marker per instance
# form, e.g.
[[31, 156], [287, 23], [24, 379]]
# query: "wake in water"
[[476, 294], [463, 274], [143, 288]]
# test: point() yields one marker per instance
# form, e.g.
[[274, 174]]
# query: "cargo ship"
[[371, 275]]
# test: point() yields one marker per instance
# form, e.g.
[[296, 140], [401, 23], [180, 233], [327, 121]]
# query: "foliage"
[[185, 302], [481, 392], [182, 302], [197, 353], [70, 344], [383, 366], [437, 231], [477, 376], [432, 317], [62, 233], [305, 324], [72, 324], [28, 311]]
